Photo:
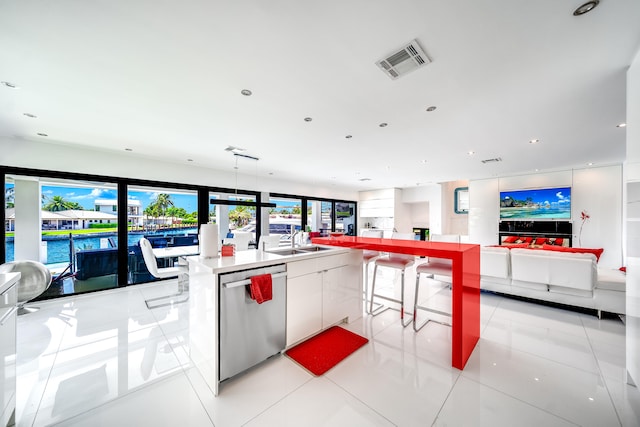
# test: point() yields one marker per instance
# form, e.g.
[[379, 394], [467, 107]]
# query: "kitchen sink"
[[313, 248], [298, 250]]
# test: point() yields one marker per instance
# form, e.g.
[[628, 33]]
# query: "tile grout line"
[[600, 373]]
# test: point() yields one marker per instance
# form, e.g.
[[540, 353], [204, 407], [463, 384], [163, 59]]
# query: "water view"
[[58, 246]]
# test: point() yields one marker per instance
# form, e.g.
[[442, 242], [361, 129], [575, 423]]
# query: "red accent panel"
[[465, 317]]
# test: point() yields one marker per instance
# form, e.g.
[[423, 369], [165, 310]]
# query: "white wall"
[[453, 223], [37, 155], [419, 197], [632, 171], [597, 190], [484, 211]]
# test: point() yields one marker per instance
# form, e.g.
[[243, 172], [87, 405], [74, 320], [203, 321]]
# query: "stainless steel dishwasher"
[[250, 332]]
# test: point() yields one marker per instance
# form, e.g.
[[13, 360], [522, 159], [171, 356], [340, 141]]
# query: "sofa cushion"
[[612, 280], [572, 270], [597, 252], [495, 262]]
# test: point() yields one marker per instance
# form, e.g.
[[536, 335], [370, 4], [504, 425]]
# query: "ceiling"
[[163, 80]]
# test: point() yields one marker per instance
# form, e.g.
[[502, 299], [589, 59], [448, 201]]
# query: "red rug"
[[325, 350]]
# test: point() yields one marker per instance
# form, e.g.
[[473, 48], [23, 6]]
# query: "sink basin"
[[313, 248], [298, 250], [286, 251]]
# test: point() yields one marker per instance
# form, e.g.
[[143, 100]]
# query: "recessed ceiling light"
[[383, 125], [590, 164], [586, 8], [246, 92], [621, 125], [364, 179], [33, 116], [42, 134], [307, 119], [537, 170], [10, 85], [471, 153], [189, 160], [423, 161], [432, 108], [534, 141], [128, 149], [349, 136]]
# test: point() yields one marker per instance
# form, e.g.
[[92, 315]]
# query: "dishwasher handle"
[[248, 281]]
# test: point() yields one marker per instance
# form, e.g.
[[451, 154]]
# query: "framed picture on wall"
[[461, 200]]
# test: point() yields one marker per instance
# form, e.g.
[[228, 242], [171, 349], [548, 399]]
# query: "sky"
[[86, 196], [543, 195]]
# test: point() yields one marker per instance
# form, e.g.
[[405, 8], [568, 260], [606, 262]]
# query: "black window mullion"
[[123, 234]]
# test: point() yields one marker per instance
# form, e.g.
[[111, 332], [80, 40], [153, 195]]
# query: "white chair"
[[432, 268], [269, 242], [240, 239], [35, 278], [162, 273], [400, 262], [369, 256]]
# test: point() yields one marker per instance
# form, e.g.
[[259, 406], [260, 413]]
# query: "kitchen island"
[[323, 287]]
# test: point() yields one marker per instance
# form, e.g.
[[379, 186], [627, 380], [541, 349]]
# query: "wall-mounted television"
[[536, 204]]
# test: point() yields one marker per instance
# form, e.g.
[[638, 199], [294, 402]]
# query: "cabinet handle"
[[6, 316], [8, 289]]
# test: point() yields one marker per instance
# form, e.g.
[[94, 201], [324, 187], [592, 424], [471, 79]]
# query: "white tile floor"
[[106, 360]]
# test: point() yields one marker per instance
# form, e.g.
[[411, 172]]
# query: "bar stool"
[[433, 267], [400, 262], [369, 256]]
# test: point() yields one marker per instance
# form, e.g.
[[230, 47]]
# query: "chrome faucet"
[[293, 238]]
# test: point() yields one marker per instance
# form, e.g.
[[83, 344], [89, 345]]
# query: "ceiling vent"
[[404, 60], [497, 159]]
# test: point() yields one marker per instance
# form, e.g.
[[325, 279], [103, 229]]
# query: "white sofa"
[[565, 278]]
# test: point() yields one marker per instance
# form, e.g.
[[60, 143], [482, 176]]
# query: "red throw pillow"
[[510, 239], [527, 239], [558, 241], [596, 252], [518, 245], [541, 240]]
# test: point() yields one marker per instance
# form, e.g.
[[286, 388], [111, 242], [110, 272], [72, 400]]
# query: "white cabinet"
[[341, 294], [304, 306], [321, 292]]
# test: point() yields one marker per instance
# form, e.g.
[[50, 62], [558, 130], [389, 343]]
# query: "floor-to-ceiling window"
[[58, 222], [285, 218], [236, 216], [345, 214], [167, 217], [320, 216]]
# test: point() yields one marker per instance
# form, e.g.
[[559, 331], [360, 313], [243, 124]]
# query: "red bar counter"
[[465, 285]]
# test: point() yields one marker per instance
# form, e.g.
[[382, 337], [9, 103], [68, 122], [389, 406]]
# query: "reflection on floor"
[[105, 359]]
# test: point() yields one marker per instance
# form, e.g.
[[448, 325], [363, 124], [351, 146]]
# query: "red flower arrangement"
[[584, 217]]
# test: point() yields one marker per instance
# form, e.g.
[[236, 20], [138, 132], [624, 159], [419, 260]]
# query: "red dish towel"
[[261, 288]]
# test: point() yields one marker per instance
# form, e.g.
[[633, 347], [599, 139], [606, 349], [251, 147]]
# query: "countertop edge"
[[8, 279]]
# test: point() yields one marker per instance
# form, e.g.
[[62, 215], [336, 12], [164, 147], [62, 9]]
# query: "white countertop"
[[253, 258], [8, 279]]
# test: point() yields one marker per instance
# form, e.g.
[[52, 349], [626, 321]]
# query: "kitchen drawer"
[[312, 265]]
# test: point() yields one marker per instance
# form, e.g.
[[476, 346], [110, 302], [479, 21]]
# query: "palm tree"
[[159, 206], [240, 215], [56, 204]]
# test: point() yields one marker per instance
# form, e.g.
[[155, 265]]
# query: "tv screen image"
[[536, 204]]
